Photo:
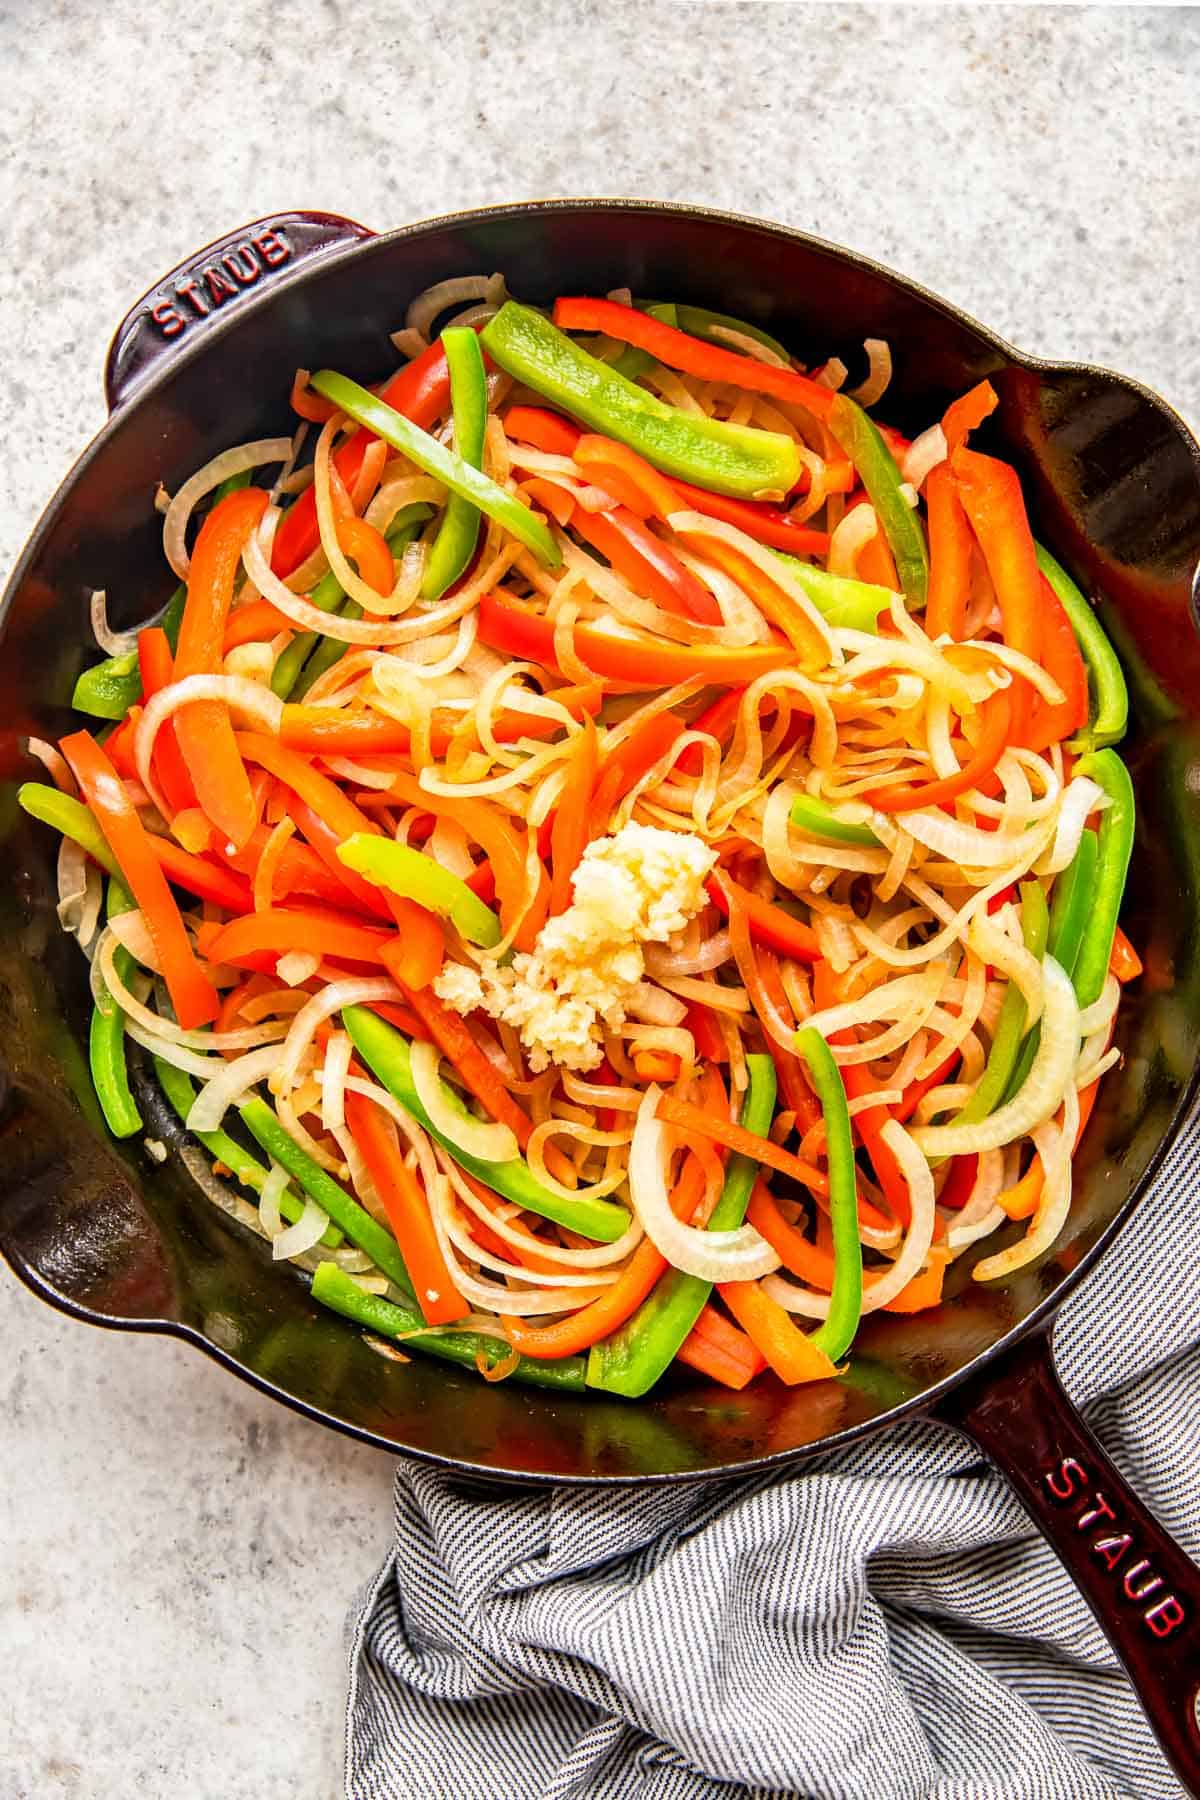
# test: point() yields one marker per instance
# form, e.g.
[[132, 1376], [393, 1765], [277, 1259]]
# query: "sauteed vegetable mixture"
[[613, 852]]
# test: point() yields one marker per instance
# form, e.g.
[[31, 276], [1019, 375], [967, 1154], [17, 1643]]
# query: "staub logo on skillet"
[[1068, 1483], [202, 290]]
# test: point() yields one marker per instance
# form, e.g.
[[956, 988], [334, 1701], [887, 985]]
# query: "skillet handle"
[[185, 304], [1143, 1589]]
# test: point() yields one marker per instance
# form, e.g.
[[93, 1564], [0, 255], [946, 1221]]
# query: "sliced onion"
[[271, 1193], [230, 462], [257, 702], [893, 1000], [356, 991], [235, 1079], [80, 891], [1100, 1014], [1055, 1146], [879, 373], [133, 934], [741, 1255], [1042, 1091], [245, 1037], [223, 1197], [492, 1141], [1020, 965], [965, 845], [661, 961], [338, 1052], [693, 524], [308, 1230], [54, 763], [177, 1055], [923, 454], [849, 538], [1080, 798], [113, 643], [457, 291], [654, 1006], [296, 967]]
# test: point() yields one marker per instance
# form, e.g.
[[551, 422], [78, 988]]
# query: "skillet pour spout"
[[107, 1234]]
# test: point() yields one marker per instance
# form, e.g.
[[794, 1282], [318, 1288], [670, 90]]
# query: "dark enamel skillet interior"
[[102, 1232]]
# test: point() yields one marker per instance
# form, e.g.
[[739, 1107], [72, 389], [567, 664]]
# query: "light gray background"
[[176, 1555]]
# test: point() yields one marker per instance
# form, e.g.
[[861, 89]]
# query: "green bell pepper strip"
[[1001, 1063], [108, 689], [699, 322], [180, 1091], [820, 820], [1070, 904], [443, 464], [640, 1351], [458, 533], [69, 816], [106, 1037], [391, 1318], [727, 459], [1112, 867], [387, 1052], [836, 1334], [231, 485], [357, 1224], [415, 876], [852, 605], [1108, 697], [326, 595], [860, 438]]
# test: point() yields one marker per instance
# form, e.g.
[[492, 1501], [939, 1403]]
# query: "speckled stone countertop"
[[177, 1556]]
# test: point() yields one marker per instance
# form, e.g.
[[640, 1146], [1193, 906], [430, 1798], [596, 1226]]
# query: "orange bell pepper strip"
[[875, 562], [204, 731], [192, 994], [407, 1211], [415, 955], [1021, 1201], [421, 392], [715, 1347], [769, 924], [311, 930], [994, 737], [774, 1333], [639, 661], [991, 494], [307, 405], [1061, 658], [302, 871], [1124, 963], [453, 1038], [692, 355], [580, 1330], [922, 1292], [621, 769], [798, 1096], [157, 665], [328, 731], [765, 523], [369, 549], [776, 606], [544, 429], [605, 461], [949, 556], [969, 410], [253, 624], [814, 1265], [199, 876], [744, 1143], [571, 829]]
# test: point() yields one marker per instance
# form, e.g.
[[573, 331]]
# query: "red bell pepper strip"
[[192, 994], [961, 1179], [666, 344], [949, 555], [613, 465], [718, 720], [649, 565], [969, 410], [253, 624], [415, 955], [421, 392], [157, 664], [916, 1091], [775, 1334], [991, 493], [302, 870], [769, 924], [994, 738], [571, 828], [765, 523], [776, 605], [1061, 658], [452, 1036], [640, 662], [311, 930], [203, 730], [407, 1210], [706, 1033], [201, 877]]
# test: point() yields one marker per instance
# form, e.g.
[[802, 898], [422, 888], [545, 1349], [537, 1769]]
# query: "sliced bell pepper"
[[969, 410], [860, 438], [387, 1053], [1109, 697], [732, 459], [701, 323], [816, 818], [192, 994], [1112, 867], [1052, 721], [836, 1335], [458, 533], [415, 876], [281, 930], [106, 1037], [841, 599], [991, 493], [622, 768], [769, 924], [638, 661], [571, 827], [453, 1038], [108, 689], [445, 465], [994, 737], [650, 566], [949, 555], [407, 1211]]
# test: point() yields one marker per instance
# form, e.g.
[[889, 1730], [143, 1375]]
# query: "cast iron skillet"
[[99, 1230]]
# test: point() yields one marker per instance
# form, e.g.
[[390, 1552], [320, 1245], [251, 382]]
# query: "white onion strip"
[[235, 1079], [356, 991], [488, 1141], [304, 1235], [260, 454], [251, 698], [741, 1255]]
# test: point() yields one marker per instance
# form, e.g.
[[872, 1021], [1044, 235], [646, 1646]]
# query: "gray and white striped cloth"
[[881, 1624]]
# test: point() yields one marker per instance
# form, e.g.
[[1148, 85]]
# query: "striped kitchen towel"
[[881, 1624]]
